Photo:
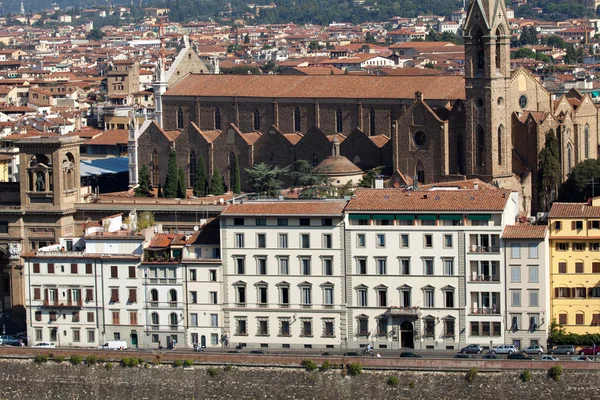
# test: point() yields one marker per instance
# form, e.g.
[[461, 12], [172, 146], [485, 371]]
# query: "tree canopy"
[[200, 178], [266, 179], [578, 186], [549, 171], [216, 183], [143, 189], [172, 180]]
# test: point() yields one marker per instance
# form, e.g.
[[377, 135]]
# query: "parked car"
[[505, 349], [462, 355], [408, 354], [352, 354], [326, 354], [590, 351], [581, 358], [519, 356], [114, 345], [257, 352], [8, 340], [199, 349], [567, 349], [45, 345], [534, 349], [491, 357], [235, 351], [549, 358], [472, 349]]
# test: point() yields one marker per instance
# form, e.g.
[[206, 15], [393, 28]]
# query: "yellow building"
[[575, 265]]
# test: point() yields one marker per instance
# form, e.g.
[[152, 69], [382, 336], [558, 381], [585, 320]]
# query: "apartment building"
[[527, 285], [283, 273], [424, 268], [575, 265]]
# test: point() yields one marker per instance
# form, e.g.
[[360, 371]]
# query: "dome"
[[337, 166]]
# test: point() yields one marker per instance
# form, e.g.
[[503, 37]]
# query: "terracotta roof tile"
[[293, 138], [111, 137], [308, 208], [573, 210], [379, 140], [316, 86], [250, 137], [162, 240], [525, 232], [428, 200]]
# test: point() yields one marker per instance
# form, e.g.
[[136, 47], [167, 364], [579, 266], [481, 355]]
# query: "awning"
[[405, 217], [359, 217], [479, 217], [451, 217], [104, 166], [383, 217], [427, 217]]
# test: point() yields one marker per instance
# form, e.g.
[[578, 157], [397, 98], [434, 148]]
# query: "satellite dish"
[[221, 201], [196, 228]]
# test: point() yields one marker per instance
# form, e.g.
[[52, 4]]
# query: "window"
[[515, 296], [428, 241], [562, 267], [515, 274], [360, 240], [50, 268], [562, 246], [305, 262], [361, 266], [90, 317], [212, 275], [326, 222], [91, 336], [428, 266], [284, 295], [429, 299], [448, 266], [381, 266], [562, 319], [36, 268], [193, 319], [382, 297], [429, 327], [596, 267], [448, 241], [132, 295], [578, 246], [362, 297], [405, 266], [305, 241], [242, 326], [533, 250], [133, 318], [239, 240], [327, 241], [306, 292], [132, 273], [382, 327], [339, 122], [363, 326], [217, 125], [116, 317], [328, 327], [283, 240], [114, 271], [579, 268], [37, 293], [241, 265], [284, 266], [328, 266], [241, 295], [579, 319], [380, 240], [595, 319], [73, 268], [515, 250], [306, 327], [194, 297], [304, 221], [404, 241], [173, 296], [534, 275], [214, 320], [114, 295], [238, 221], [261, 221], [515, 322], [263, 295], [449, 327], [282, 222], [213, 297], [38, 316], [193, 275], [449, 298], [261, 266], [173, 320], [564, 293], [256, 120], [263, 327], [38, 335], [88, 269], [578, 225], [405, 297], [534, 298], [328, 296], [297, 119], [284, 327], [261, 241]]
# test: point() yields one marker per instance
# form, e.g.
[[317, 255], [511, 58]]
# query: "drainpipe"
[[103, 303]]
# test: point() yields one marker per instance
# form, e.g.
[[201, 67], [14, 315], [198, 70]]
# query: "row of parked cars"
[[514, 353]]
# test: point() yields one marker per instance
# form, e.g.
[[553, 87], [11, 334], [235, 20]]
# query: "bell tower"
[[487, 82]]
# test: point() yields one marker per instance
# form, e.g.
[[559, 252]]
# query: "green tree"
[[314, 183], [578, 185], [145, 220], [237, 180], [216, 183], [368, 179], [143, 188], [171, 182], [266, 179], [247, 39], [95, 34], [555, 41], [549, 171], [200, 178], [181, 186]]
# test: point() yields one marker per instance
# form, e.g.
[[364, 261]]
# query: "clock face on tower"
[[523, 101], [420, 138]]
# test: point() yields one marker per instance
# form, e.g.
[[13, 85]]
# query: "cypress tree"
[[200, 178], [171, 183], [237, 182], [216, 184], [181, 186], [143, 188], [160, 192], [549, 171]]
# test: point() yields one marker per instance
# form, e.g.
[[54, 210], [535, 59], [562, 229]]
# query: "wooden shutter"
[[562, 319], [596, 267], [89, 294], [73, 268], [88, 269], [116, 318], [90, 317], [36, 268], [114, 295], [75, 316], [132, 295], [133, 318], [572, 292], [595, 319], [50, 268], [555, 293], [37, 293], [579, 318], [579, 268], [38, 315], [69, 296], [45, 295], [132, 272], [114, 271], [562, 268]]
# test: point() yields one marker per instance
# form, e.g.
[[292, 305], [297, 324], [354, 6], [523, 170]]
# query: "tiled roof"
[[316, 86], [337, 165], [428, 200], [293, 138], [524, 232], [308, 208], [162, 240], [111, 137], [379, 140], [207, 234], [573, 210]]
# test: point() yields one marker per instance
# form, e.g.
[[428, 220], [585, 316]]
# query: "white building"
[[283, 273]]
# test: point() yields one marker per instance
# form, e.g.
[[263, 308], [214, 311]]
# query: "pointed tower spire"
[[159, 86], [22, 10], [132, 144]]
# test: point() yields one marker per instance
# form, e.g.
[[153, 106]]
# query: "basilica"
[[490, 124]]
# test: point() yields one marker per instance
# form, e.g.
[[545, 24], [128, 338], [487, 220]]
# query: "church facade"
[[489, 124]]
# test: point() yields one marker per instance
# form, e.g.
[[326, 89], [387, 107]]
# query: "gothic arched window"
[[297, 124], [586, 141], [420, 172], [192, 168], [569, 158], [480, 146], [480, 50], [155, 169], [372, 122], [500, 142], [339, 122], [499, 34], [217, 118], [459, 154], [256, 120], [179, 118]]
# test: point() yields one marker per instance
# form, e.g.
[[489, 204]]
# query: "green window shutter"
[[383, 217], [451, 217], [359, 217], [479, 217], [427, 217], [405, 217]]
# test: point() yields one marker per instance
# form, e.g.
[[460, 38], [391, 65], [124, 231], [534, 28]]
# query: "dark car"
[[472, 349], [567, 349], [491, 357], [519, 356], [461, 355], [590, 351], [257, 352], [234, 351], [352, 354], [408, 354], [326, 354]]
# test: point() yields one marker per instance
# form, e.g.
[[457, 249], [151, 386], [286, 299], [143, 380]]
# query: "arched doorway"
[[407, 335], [134, 339], [203, 342]]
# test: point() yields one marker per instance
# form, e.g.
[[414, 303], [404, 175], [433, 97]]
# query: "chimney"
[[379, 182], [476, 186]]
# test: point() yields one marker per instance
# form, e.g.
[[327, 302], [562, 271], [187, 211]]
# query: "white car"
[[581, 358], [549, 358], [505, 349], [45, 345]]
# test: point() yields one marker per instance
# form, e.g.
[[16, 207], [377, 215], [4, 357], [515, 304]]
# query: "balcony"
[[62, 304], [164, 304], [484, 278], [485, 310], [484, 249], [404, 311]]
